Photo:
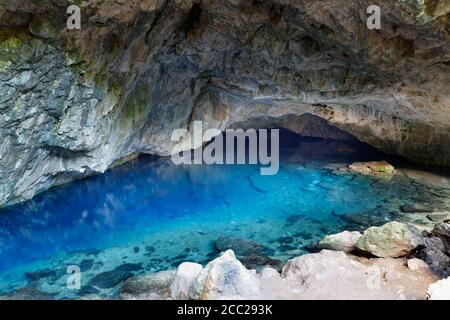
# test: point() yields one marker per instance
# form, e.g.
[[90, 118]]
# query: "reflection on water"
[[152, 213]]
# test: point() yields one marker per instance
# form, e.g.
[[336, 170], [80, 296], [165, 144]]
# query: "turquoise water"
[[150, 215]]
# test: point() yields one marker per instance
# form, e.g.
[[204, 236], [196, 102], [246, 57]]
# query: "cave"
[[354, 119]]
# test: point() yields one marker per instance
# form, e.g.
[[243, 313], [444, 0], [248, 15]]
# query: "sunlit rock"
[[344, 241], [393, 239]]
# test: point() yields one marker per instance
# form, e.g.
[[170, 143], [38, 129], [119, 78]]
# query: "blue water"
[[153, 213]]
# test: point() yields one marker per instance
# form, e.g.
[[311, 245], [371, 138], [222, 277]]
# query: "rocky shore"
[[401, 255], [393, 261]]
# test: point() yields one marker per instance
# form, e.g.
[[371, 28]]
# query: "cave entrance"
[[305, 138]]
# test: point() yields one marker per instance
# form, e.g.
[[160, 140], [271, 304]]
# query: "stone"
[[40, 274], [442, 230], [438, 216], [225, 278], [335, 275], [153, 286], [417, 264], [372, 168], [86, 264], [344, 241], [185, 277], [129, 267], [257, 262], [28, 293], [439, 290], [417, 207], [241, 247], [393, 239], [109, 279]]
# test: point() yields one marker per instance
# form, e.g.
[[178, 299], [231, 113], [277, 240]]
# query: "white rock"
[[439, 290], [344, 241], [226, 278], [417, 264], [186, 275], [394, 239]]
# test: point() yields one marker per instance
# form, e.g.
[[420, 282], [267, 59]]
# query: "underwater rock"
[[40, 274], [394, 239], [438, 216], [86, 264], [439, 290], [225, 278], [417, 208], [241, 247], [130, 267], [377, 168], [28, 293], [344, 241], [109, 279], [185, 277], [153, 286], [362, 221], [258, 261]]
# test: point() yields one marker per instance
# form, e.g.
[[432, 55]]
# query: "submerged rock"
[[241, 247], [153, 286], [378, 168], [40, 274], [109, 279], [129, 267], [344, 241], [393, 239], [28, 293], [417, 208]]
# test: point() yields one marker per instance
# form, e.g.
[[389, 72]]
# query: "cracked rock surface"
[[76, 102]]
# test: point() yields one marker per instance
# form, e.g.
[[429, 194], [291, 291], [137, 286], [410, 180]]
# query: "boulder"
[[381, 168], [154, 286], [241, 247], [442, 230], [417, 208], [335, 275], [439, 290], [109, 279], [344, 241], [416, 264], [393, 239], [185, 277], [439, 216], [226, 278]]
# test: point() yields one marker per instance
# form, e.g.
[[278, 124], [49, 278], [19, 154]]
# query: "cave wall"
[[76, 102]]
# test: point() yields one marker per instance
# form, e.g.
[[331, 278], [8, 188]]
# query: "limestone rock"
[[416, 264], [185, 277], [226, 278], [439, 290], [380, 168], [393, 239], [74, 105], [344, 241], [442, 230], [153, 286]]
